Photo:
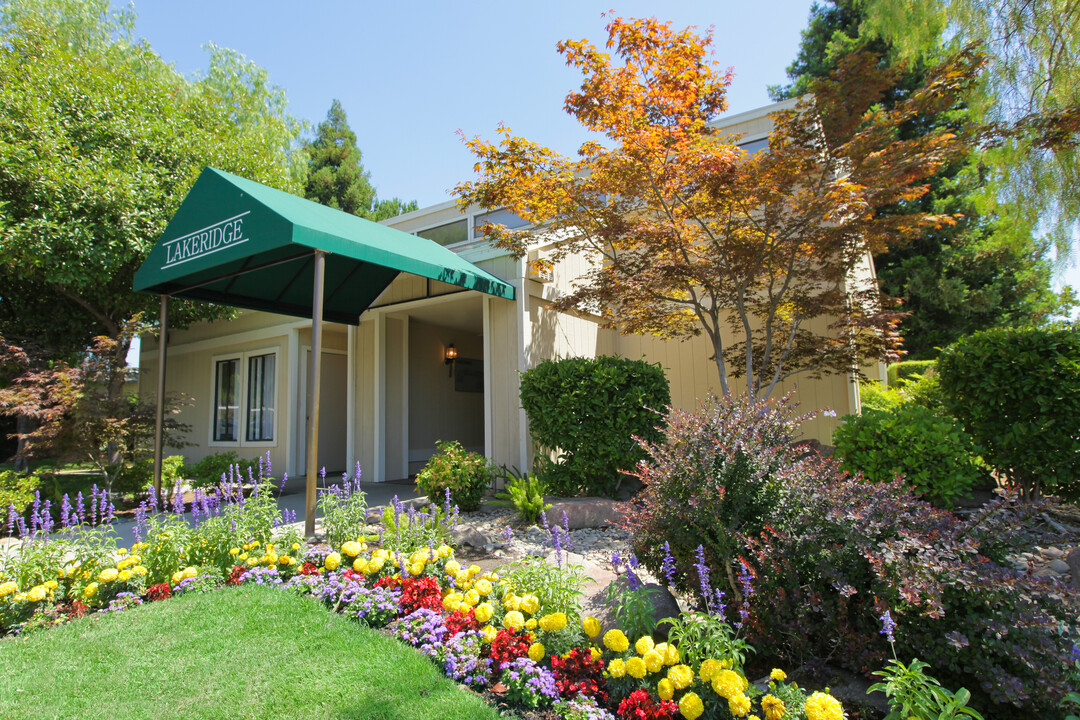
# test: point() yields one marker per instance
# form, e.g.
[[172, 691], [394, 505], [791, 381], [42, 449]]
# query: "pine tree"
[[985, 271], [336, 174]]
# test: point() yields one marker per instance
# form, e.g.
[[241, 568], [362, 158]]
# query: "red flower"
[[458, 621], [79, 609], [308, 568], [639, 706], [161, 591], [578, 674], [234, 575], [507, 647], [421, 592]]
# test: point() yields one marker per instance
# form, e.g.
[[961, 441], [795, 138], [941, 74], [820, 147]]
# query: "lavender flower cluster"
[[424, 630], [462, 661], [259, 575], [529, 684], [374, 607], [583, 707], [123, 601]]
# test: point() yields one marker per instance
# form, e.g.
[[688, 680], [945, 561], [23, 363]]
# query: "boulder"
[[465, 535], [592, 512], [664, 605], [1073, 561]]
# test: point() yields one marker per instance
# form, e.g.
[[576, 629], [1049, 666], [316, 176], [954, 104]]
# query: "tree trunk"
[[24, 424]]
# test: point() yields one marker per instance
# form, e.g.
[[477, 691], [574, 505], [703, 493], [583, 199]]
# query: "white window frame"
[[242, 421]]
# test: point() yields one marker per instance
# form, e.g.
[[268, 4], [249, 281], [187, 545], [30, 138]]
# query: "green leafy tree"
[[336, 174], [1030, 93], [986, 270], [100, 140]]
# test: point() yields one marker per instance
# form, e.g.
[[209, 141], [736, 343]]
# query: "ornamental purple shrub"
[[714, 479], [841, 553]]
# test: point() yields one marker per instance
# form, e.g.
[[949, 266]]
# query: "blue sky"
[[410, 74]]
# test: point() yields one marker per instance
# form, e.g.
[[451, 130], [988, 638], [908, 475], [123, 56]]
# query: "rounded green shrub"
[[466, 474], [1017, 392], [587, 412], [930, 449], [16, 489], [900, 372]]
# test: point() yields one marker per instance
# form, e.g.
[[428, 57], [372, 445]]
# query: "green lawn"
[[247, 652]]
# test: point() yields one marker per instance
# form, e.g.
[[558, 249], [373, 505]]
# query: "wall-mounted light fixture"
[[451, 356]]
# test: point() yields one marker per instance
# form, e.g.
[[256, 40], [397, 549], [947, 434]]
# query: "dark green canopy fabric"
[[237, 242]]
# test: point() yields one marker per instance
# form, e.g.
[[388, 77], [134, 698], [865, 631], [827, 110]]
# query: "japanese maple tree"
[[690, 233]]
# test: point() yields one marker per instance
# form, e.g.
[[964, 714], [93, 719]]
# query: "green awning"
[[237, 242]]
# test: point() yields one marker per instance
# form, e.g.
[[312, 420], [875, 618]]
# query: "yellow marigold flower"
[[635, 668], [177, 577], [139, 570], [739, 705], [483, 587], [530, 624], [452, 600], [616, 668], [295, 546], [20, 598], [285, 560], [708, 670], [594, 653], [726, 664], [444, 551], [665, 689], [727, 684], [682, 676], [242, 557], [332, 562], [125, 575], [822, 706], [190, 571], [773, 707], [553, 622], [234, 551], [483, 612], [453, 567], [536, 652], [487, 634], [591, 626], [360, 565], [474, 570], [653, 661], [351, 548], [121, 551], [51, 584], [416, 568], [375, 565], [107, 575], [691, 706], [778, 675], [616, 640], [512, 601], [530, 604], [471, 598], [252, 562], [753, 717], [36, 594], [8, 588], [671, 655], [90, 590], [513, 620], [644, 644]]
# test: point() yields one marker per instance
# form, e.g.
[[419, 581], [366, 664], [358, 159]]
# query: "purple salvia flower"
[[556, 541], [616, 560], [11, 520], [80, 508], [668, 567], [22, 526], [446, 502], [94, 505], [356, 473], [284, 479], [888, 627], [46, 517], [66, 518], [544, 520], [508, 535], [112, 513], [703, 574], [566, 531]]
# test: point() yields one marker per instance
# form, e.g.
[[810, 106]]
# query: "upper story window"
[[755, 146], [447, 234], [498, 217]]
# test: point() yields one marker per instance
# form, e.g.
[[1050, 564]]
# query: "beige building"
[[389, 394]]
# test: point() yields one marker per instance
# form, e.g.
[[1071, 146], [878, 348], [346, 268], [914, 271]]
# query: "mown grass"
[[246, 652]]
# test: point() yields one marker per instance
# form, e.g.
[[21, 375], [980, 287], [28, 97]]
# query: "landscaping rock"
[[665, 605], [1073, 561], [585, 512], [466, 535]]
